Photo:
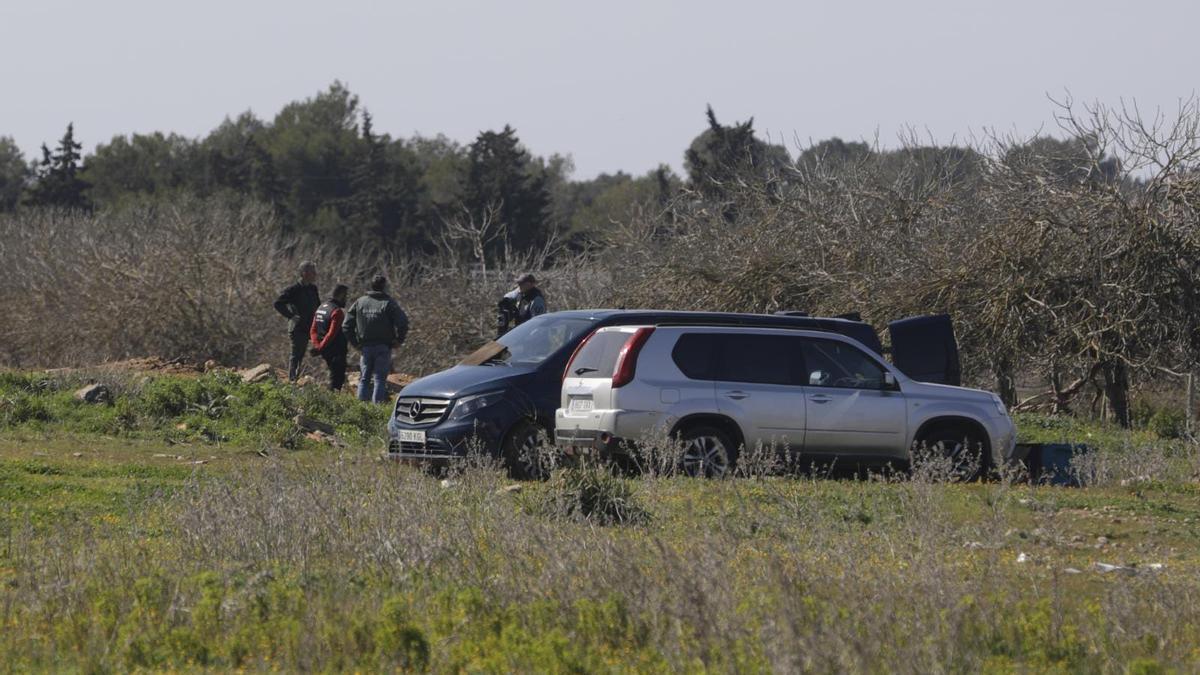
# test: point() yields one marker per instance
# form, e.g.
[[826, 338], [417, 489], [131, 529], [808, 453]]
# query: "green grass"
[[148, 547]]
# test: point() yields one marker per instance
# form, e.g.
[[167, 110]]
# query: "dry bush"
[[1078, 258], [195, 279]]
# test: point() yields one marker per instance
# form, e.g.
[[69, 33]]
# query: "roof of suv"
[[859, 330], [658, 316]]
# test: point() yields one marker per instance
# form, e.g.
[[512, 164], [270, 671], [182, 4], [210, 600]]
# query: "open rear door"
[[924, 348]]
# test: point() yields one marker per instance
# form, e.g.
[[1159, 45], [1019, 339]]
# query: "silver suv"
[[719, 390]]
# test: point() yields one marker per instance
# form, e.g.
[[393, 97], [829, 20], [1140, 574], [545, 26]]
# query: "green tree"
[[314, 147], [386, 188], [234, 157], [141, 164], [595, 206], [501, 175], [722, 155], [14, 174], [57, 181]]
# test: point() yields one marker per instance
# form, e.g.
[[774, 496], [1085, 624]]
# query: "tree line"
[[323, 167]]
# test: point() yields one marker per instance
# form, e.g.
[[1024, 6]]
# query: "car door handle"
[[737, 395], [820, 398]]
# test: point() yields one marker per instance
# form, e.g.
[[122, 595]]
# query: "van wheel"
[[961, 445], [707, 452], [523, 452]]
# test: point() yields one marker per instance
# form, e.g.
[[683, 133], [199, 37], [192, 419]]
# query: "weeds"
[[591, 493]]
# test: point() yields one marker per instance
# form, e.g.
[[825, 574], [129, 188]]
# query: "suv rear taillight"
[[575, 353], [627, 358]]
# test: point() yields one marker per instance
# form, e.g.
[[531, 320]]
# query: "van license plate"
[[410, 436], [581, 405]]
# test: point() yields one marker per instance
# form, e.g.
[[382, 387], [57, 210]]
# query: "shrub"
[[593, 494]]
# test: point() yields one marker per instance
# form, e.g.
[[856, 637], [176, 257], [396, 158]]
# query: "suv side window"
[[831, 363], [693, 355], [758, 359]]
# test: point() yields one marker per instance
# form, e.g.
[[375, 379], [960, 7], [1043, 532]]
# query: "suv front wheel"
[[960, 446], [707, 452]]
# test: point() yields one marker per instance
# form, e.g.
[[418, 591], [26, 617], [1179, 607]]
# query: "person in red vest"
[[328, 336]]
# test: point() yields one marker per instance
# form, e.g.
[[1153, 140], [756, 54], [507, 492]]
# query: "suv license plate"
[[410, 436], [580, 405]]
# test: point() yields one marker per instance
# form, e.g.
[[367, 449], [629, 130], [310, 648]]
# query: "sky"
[[618, 85]]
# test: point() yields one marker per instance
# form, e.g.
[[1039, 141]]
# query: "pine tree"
[[385, 190], [500, 175], [57, 182]]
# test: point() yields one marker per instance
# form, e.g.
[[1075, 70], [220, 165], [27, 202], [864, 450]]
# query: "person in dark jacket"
[[298, 303], [376, 325], [328, 337], [520, 304]]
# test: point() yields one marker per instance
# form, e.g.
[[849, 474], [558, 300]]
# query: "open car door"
[[924, 348]]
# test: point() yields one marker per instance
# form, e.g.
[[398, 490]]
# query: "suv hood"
[[944, 390], [462, 381]]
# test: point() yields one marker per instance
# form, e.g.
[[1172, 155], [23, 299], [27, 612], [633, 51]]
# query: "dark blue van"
[[502, 397]]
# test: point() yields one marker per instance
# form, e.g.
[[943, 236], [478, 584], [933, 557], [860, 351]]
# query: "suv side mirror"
[[889, 380]]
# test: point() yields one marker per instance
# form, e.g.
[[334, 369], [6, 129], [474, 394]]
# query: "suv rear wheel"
[[707, 452]]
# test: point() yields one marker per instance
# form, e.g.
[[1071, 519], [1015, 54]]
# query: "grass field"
[[186, 526]]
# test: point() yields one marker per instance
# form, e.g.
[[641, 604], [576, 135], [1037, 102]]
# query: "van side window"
[[830, 363], [757, 359], [693, 355]]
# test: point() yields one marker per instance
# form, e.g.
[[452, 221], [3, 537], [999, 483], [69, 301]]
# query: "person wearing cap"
[[520, 304]]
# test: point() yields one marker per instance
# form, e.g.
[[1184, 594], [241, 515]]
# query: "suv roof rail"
[[764, 324]]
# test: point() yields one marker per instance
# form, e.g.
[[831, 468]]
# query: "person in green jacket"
[[376, 325]]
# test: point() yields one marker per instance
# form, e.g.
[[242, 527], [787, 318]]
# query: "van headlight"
[[469, 405]]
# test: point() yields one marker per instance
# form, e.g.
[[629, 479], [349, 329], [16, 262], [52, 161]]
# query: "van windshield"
[[538, 339]]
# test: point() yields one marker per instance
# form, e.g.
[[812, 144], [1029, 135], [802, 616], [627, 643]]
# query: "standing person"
[[520, 304], [376, 325], [298, 303], [328, 336]]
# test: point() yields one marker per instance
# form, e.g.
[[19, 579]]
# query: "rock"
[[77, 454], [260, 373], [309, 424], [515, 487], [1072, 570], [211, 365], [1106, 568], [447, 483], [94, 393], [182, 426], [304, 381], [1102, 540], [1022, 558]]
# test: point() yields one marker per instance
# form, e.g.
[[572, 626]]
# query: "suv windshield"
[[539, 338]]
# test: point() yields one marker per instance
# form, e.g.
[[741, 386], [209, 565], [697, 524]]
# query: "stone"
[[260, 373], [94, 393], [507, 489]]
